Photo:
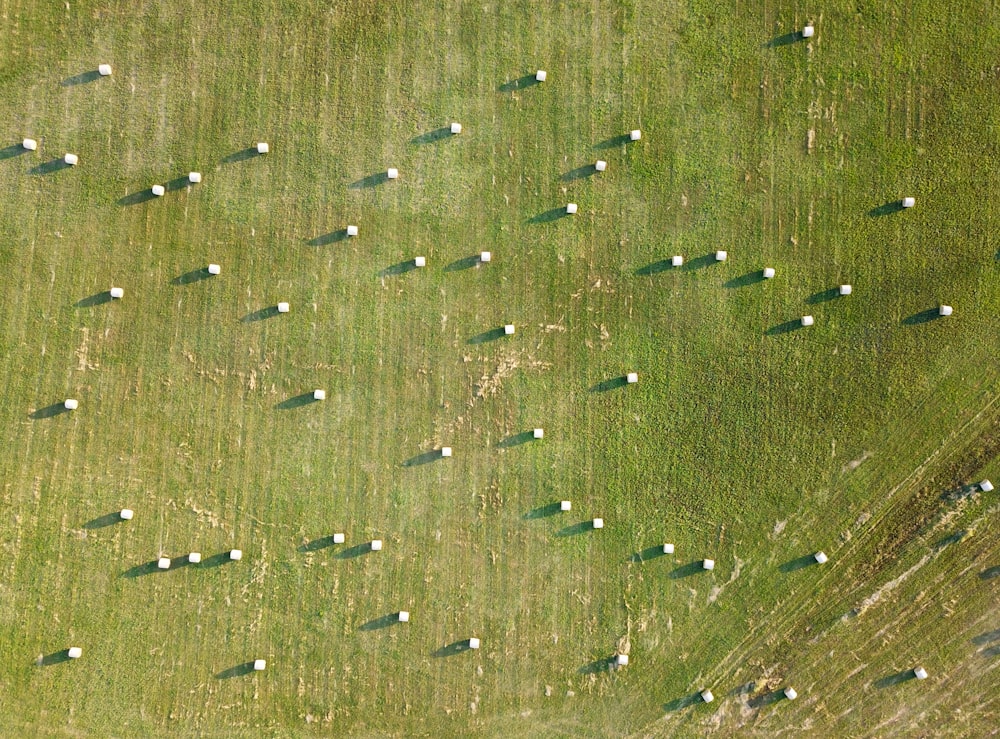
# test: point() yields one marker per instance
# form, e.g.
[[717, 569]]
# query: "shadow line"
[[398, 269], [330, 238], [431, 136], [178, 183], [134, 198], [316, 544], [798, 563], [784, 328], [576, 528], [520, 83], [824, 295], [372, 180], [680, 703], [766, 699], [215, 560], [463, 263], [784, 40], [486, 336], [148, 568], [614, 141], [424, 458], [651, 269], [579, 173], [691, 568], [53, 165], [647, 554], [990, 573], [239, 670], [382, 622], [924, 316], [598, 665], [240, 156], [260, 315], [886, 209], [108, 519], [516, 440], [549, 509], [53, 659], [96, 299], [195, 275], [701, 262], [549, 216], [986, 637], [891, 680], [611, 384], [49, 411], [750, 278], [81, 79], [452, 649], [14, 150], [356, 551], [296, 402]]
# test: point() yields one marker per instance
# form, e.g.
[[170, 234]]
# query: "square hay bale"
[[768, 273], [104, 70], [71, 159], [194, 557], [420, 261], [163, 563], [194, 177], [621, 660], [540, 75], [509, 329], [263, 147], [986, 486], [117, 293], [598, 523], [721, 255], [352, 230], [909, 202], [570, 208], [600, 165], [446, 451], [392, 173], [634, 135], [668, 548], [806, 320], [485, 256], [676, 261], [708, 564], [260, 665], [456, 128], [376, 545], [214, 269], [845, 290], [71, 404], [235, 555], [565, 505], [632, 377], [126, 514], [403, 616], [159, 191], [284, 307], [538, 433], [339, 538], [473, 643], [74, 652], [808, 32], [319, 394], [920, 673], [29, 144]]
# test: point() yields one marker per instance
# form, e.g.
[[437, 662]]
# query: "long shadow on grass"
[[56, 409], [519, 84], [579, 173], [823, 296], [452, 649], [550, 509], [423, 458], [330, 238], [238, 671], [991, 652], [891, 680], [651, 269], [195, 275], [372, 180], [576, 529], [598, 665], [358, 550], [216, 560], [784, 328], [96, 299], [750, 278], [681, 703], [516, 440], [260, 315], [398, 269], [613, 142], [464, 263], [647, 554], [610, 384], [766, 699], [886, 209], [316, 544], [14, 150], [241, 156], [148, 568], [924, 316], [53, 659], [990, 573], [134, 198], [53, 165], [486, 336], [296, 402], [691, 568], [82, 78], [784, 40], [553, 214], [382, 622], [108, 519], [706, 260], [986, 637], [951, 539], [178, 183], [431, 136], [798, 563]]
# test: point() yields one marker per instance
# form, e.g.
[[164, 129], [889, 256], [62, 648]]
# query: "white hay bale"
[[845, 290], [571, 208], [194, 557], [194, 177], [509, 329], [920, 673], [820, 557], [600, 165], [163, 563], [565, 505], [473, 643], [29, 144], [420, 261], [538, 433], [235, 555], [403, 617], [721, 255], [635, 135], [352, 230], [909, 202], [117, 293], [104, 70], [71, 404], [540, 75], [485, 256], [339, 538], [71, 159], [945, 310], [598, 523], [260, 665], [706, 695], [159, 191], [214, 269], [376, 545], [708, 564], [806, 320], [768, 273], [392, 173], [632, 377], [284, 307], [263, 147], [126, 514], [808, 32], [74, 652], [319, 394], [668, 548], [446, 451], [456, 128], [791, 694], [621, 660], [986, 486], [676, 261]]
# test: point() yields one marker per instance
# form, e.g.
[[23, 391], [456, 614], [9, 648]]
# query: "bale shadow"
[[260, 315], [195, 275], [798, 563], [519, 84], [316, 544], [96, 299], [372, 180], [81, 79], [549, 509], [463, 263], [614, 141], [681, 703], [452, 649], [53, 165], [990, 573], [134, 198], [691, 568], [886, 209], [784, 328], [14, 150], [148, 568], [431, 136], [575, 529], [108, 519], [951, 539], [579, 173], [766, 699], [991, 652], [56, 409], [598, 665], [706, 260], [53, 659], [424, 458], [486, 336], [823, 296], [651, 269], [215, 560], [891, 680], [750, 278], [296, 402], [330, 238], [238, 671], [924, 316], [611, 384], [398, 269], [382, 622], [516, 440], [959, 493], [241, 156], [647, 554], [178, 183], [784, 40], [356, 551], [986, 637], [549, 216]]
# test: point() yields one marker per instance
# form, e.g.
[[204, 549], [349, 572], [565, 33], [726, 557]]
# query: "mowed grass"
[[743, 441]]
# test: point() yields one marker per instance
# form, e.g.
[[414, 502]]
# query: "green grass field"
[[746, 440]]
